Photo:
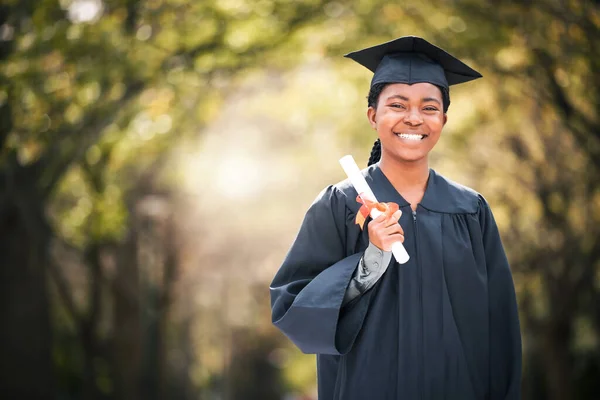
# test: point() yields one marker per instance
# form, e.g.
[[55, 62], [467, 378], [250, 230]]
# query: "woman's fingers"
[[393, 219], [390, 240], [392, 230], [384, 216], [385, 230], [388, 220], [380, 219]]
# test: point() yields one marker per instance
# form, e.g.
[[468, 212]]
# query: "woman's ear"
[[445, 119], [371, 116]]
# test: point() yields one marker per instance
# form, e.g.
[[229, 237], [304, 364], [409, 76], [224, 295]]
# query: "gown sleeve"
[[371, 268], [308, 290], [505, 336]]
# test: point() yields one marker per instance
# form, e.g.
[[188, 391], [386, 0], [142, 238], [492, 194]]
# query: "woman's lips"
[[411, 136]]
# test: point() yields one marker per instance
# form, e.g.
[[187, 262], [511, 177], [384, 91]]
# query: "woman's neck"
[[408, 178]]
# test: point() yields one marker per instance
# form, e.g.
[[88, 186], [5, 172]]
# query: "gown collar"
[[441, 194]]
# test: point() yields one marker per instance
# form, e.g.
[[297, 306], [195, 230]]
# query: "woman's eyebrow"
[[426, 99], [398, 96]]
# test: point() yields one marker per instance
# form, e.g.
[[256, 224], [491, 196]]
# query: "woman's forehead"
[[421, 89]]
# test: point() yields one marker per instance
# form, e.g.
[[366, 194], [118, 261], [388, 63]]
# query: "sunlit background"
[[157, 158]]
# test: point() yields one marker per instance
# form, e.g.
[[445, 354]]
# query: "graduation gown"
[[442, 326]]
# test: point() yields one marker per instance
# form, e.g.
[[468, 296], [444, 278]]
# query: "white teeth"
[[409, 136]]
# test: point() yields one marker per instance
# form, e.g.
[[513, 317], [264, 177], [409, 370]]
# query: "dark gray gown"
[[442, 326]]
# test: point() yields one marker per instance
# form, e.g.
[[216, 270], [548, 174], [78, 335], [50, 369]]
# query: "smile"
[[410, 136]]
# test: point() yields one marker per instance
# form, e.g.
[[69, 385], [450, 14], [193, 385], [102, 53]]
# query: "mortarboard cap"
[[411, 59]]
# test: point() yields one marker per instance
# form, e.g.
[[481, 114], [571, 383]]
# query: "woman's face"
[[408, 119]]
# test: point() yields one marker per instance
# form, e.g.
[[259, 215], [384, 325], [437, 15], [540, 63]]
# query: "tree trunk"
[[163, 322], [88, 346], [26, 370], [557, 360], [127, 323], [171, 266]]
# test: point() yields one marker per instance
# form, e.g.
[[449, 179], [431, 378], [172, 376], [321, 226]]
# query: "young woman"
[[445, 324]]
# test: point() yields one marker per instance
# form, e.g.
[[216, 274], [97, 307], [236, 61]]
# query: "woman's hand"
[[385, 230]]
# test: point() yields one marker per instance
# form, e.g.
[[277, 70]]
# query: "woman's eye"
[[430, 109], [396, 105]]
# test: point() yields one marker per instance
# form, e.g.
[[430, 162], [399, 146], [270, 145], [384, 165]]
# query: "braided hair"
[[372, 100]]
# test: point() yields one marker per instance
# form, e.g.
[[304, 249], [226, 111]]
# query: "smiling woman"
[[445, 324], [411, 114]]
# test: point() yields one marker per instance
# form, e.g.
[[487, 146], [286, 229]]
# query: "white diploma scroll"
[[365, 192]]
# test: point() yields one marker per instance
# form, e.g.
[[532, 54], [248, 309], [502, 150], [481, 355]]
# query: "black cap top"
[[411, 59]]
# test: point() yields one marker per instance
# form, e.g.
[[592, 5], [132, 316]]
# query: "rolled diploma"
[[363, 189]]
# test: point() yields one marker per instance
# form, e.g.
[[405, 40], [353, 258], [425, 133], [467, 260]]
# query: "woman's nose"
[[413, 118]]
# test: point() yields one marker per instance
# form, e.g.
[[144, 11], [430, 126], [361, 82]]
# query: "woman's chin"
[[409, 155]]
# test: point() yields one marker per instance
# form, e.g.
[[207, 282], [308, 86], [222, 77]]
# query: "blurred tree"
[[73, 75]]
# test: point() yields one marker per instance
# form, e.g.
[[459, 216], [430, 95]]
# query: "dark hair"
[[375, 153], [372, 100]]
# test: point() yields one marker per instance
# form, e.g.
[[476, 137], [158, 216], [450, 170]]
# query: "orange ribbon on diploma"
[[367, 205]]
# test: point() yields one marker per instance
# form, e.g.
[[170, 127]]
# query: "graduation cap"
[[411, 59]]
